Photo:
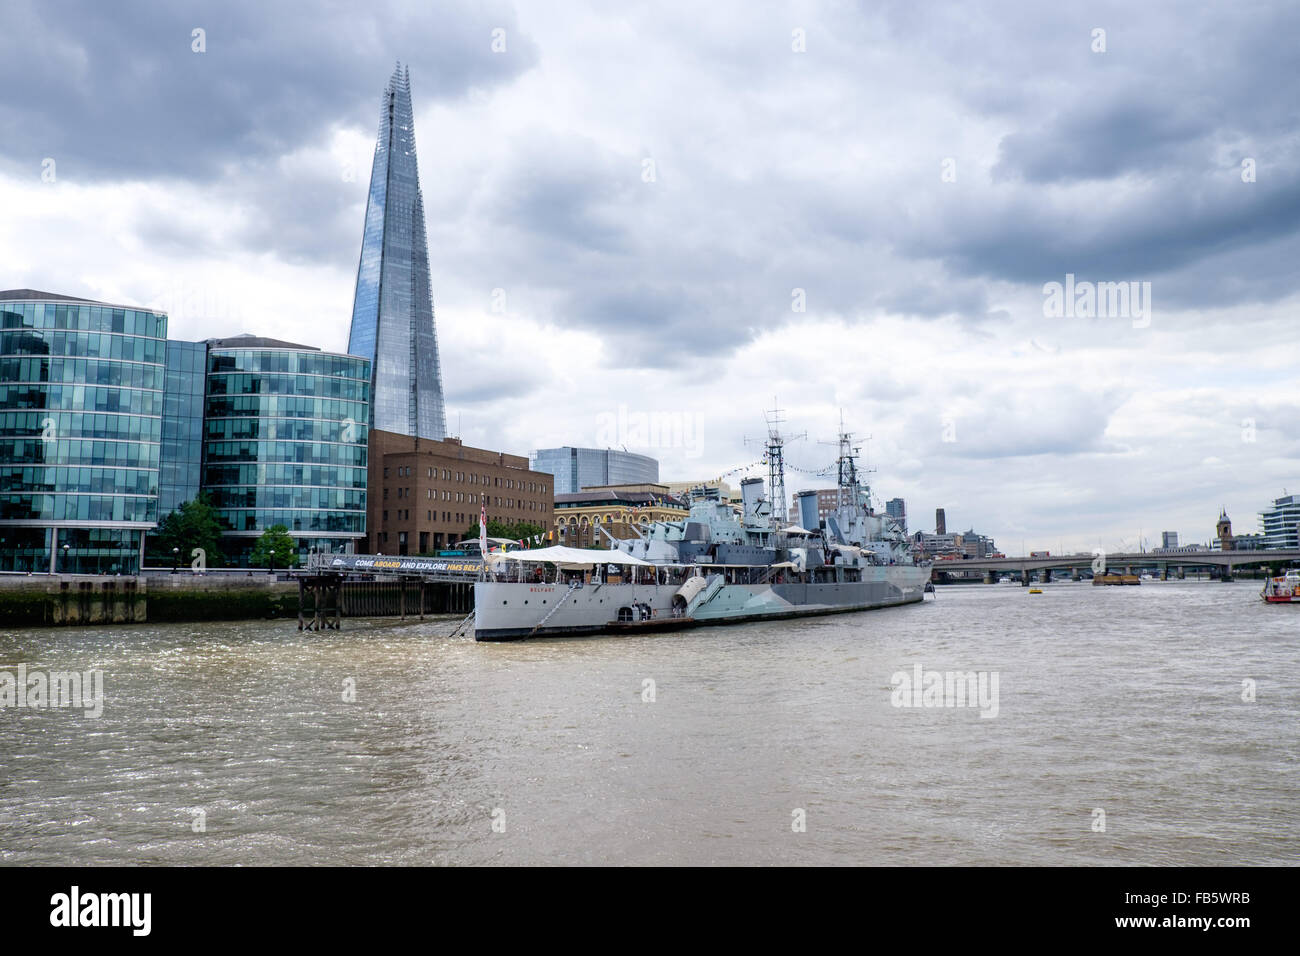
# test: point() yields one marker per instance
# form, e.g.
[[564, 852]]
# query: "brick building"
[[423, 494], [828, 499]]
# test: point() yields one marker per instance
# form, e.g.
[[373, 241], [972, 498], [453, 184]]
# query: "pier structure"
[[334, 586]]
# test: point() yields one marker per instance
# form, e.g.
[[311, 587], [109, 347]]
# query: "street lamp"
[[176, 559], [65, 559], [272, 558]]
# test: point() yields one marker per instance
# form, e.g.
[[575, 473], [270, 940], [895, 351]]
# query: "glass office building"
[[578, 468], [1281, 523], [392, 312], [181, 461], [284, 436], [81, 386]]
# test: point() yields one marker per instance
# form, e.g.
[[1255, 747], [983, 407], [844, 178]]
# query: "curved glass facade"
[[284, 435], [578, 468], [182, 426], [80, 422]]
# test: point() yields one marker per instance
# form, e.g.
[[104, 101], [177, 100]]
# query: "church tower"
[[1223, 531]]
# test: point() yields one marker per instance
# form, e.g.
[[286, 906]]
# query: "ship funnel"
[[807, 513], [751, 493]]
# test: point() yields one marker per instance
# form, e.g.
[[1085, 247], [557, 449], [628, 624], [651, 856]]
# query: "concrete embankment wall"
[[86, 599], [179, 597], [91, 599]]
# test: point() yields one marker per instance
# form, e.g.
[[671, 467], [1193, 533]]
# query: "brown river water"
[[763, 743]]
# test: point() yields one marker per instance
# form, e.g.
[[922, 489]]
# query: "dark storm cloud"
[[115, 90], [1185, 221], [1169, 95], [566, 194], [1128, 163], [1136, 136], [1063, 420], [1112, 166], [1117, 165], [303, 216]]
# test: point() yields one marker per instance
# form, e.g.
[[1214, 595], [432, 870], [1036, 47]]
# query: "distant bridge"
[[1125, 561], [459, 570]]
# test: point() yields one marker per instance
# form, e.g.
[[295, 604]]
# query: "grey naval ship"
[[713, 567]]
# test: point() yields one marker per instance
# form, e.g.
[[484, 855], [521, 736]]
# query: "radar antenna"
[[774, 446], [850, 490]]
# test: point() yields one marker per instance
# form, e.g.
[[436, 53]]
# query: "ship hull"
[[506, 611]]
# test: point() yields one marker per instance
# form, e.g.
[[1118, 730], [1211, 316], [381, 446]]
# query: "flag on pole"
[[482, 529]]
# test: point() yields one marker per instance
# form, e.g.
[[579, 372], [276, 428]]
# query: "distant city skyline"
[[857, 210]]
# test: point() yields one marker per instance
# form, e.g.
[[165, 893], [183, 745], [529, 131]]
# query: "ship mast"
[[774, 456], [849, 488], [847, 482], [776, 465]]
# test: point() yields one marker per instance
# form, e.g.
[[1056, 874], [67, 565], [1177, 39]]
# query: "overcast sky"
[[629, 204]]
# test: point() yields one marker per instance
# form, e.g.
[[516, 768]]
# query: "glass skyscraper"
[[392, 312], [106, 427], [578, 468], [285, 443], [1282, 523], [182, 425], [81, 398]]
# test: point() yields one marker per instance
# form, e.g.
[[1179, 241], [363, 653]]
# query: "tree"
[[275, 538], [193, 525], [500, 529]]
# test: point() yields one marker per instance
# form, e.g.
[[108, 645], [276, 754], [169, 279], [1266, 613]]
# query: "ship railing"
[[546, 572]]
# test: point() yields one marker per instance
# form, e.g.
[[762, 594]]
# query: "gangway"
[[558, 604], [704, 597]]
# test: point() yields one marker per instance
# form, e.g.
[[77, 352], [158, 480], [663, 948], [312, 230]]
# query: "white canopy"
[[795, 529], [584, 557]]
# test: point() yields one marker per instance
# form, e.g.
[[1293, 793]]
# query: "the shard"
[[392, 312]]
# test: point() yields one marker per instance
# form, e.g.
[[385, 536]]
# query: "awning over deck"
[[575, 557]]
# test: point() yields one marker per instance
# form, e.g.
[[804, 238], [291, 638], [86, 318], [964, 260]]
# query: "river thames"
[[1125, 733]]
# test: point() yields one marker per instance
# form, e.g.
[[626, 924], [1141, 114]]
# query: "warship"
[[718, 565]]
